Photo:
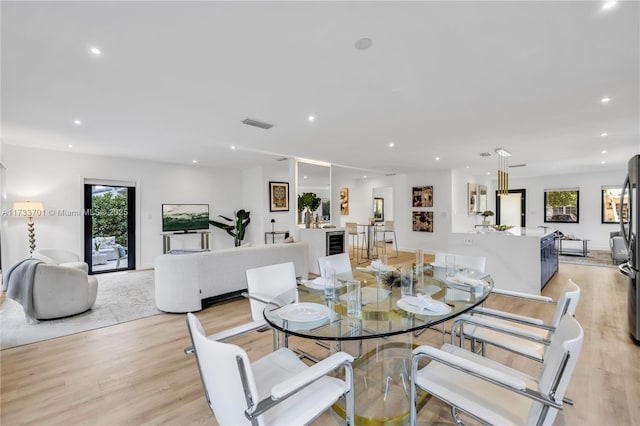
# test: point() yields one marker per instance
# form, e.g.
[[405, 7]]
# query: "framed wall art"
[[481, 203], [423, 221], [422, 196], [279, 196], [344, 201], [472, 198]]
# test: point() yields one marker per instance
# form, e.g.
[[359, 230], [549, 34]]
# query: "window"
[[611, 204], [561, 205]]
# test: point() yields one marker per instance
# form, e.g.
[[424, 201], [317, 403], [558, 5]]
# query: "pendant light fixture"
[[503, 171]]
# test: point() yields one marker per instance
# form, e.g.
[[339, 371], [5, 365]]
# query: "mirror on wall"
[[315, 178]]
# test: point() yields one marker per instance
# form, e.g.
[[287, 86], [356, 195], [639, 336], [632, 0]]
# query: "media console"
[[166, 239]]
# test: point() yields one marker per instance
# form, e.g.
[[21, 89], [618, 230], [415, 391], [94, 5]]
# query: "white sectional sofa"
[[182, 281]]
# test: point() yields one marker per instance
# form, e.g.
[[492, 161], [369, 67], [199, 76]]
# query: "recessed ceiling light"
[[69, 146], [609, 5], [391, 144], [437, 158], [233, 147], [488, 173], [194, 161], [77, 122], [311, 118], [365, 176], [604, 151], [603, 162], [95, 51], [605, 100], [304, 177], [604, 134], [363, 43]]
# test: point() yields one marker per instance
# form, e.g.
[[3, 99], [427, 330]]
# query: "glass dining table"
[[383, 334]]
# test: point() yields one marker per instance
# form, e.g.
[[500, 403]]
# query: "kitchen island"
[[519, 259]]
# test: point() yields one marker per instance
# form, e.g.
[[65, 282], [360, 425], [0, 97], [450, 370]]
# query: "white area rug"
[[122, 297]]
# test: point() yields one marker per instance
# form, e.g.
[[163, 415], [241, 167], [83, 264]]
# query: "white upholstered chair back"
[[340, 263], [560, 360], [567, 303], [218, 364], [268, 282]]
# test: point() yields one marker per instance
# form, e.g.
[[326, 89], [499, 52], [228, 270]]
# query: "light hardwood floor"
[[136, 373]]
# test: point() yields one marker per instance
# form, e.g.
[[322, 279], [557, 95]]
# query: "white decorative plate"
[[304, 312], [411, 304], [316, 284]]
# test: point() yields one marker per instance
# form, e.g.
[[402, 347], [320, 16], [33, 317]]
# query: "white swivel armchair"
[[48, 291], [523, 335], [277, 389], [61, 291], [493, 393], [60, 257]]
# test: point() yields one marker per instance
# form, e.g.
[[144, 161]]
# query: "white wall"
[[408, 239], [56, 178], [279, 172], [461, 220], [589, 184]]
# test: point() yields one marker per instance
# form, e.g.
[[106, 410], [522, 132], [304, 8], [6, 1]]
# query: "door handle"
[[625, 268]]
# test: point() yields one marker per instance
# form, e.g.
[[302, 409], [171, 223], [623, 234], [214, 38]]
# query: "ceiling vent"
[[255, 123], [485, 154], [282, 159], [517, 165]]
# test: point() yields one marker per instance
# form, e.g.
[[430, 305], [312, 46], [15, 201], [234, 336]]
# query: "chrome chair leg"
[[456, 418]]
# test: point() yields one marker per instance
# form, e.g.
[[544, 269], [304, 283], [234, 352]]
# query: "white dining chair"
[[277, 389], [494, 393], [340, 263], [519, 334], [265, 284]]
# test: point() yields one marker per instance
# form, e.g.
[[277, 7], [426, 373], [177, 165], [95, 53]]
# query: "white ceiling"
[[449, 79]]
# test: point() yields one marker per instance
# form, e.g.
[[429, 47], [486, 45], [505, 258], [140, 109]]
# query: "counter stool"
[[387, 228], [357, 246]]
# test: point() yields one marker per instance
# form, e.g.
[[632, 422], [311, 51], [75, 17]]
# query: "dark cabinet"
[[548, 258], [335, 242]]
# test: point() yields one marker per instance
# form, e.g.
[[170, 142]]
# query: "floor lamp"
[[30, 209]]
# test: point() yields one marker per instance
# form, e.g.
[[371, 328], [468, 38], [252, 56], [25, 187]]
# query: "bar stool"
[[352, 230], [387, 228]]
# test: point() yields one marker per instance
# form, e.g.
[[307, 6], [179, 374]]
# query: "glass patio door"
[[109, 227]]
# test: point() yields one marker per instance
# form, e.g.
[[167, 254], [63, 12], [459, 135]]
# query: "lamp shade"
[[29, 208]]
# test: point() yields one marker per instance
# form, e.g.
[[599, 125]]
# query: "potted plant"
[[485, 214], [308, 202], [238, 227]]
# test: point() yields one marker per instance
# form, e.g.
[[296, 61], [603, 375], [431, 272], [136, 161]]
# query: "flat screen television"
[[185, 217]]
